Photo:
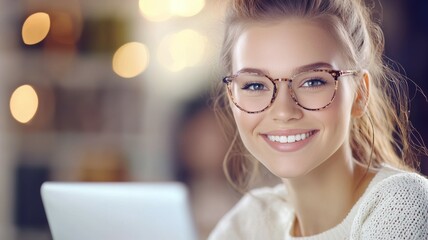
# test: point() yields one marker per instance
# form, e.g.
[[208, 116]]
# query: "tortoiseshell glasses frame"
[[307, 78]]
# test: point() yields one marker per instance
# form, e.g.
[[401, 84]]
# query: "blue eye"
[[254, 87], [313, 83]]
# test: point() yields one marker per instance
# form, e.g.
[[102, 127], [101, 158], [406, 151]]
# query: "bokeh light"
[[162, 10], [186, 8], [183, 49], [35, 28], [24, 103], [155, 10], [130, 60]]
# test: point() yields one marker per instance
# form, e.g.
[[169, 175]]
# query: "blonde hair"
[[382, 134]]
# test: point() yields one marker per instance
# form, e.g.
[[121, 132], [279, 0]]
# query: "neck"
[[324, 197]]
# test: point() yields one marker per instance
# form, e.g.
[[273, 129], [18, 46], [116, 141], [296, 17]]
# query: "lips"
[[290, 138]]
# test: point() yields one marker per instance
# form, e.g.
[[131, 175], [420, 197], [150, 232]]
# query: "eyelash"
[[249, 85], [314, 80]]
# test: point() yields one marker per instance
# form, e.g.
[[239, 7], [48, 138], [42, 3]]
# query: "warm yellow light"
[[165, 55], [24, 103], [181, 50], [186, 8], [130, 59], [155, 10], [35, 28]]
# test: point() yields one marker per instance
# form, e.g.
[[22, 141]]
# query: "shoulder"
[[394, 207], [402, 187], [255, 214], [396, 185]]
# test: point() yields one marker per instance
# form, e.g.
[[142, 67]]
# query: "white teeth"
[[290, 138]]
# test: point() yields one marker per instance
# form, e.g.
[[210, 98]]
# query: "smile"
[[290, 138]]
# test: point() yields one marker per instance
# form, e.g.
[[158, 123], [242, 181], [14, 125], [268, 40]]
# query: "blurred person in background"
[[200, 148], [308, 95]]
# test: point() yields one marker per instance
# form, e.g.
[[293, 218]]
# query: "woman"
[[308, 96]]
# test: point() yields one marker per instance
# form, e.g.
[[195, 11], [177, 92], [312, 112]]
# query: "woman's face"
[[280, 50]]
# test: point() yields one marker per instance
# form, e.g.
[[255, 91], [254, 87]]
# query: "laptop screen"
[[88, 211]]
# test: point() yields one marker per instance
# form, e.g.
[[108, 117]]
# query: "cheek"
[[338, 115], [345, 99], [246, 123]]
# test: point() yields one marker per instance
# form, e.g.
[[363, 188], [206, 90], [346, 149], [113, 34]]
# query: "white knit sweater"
[[394, 206]]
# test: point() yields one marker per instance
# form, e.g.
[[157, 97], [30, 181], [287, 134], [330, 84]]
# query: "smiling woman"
[[305, 45], [308, 96]]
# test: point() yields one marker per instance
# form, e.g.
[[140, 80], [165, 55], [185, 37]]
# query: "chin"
[[288, 171]]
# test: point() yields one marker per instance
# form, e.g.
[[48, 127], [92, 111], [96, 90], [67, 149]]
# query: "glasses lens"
[[252, 92], [314, 90]]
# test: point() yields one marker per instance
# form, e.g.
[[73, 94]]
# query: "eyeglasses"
[[254, 92]]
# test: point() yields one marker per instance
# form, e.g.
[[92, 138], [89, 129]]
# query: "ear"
[[361, 100]]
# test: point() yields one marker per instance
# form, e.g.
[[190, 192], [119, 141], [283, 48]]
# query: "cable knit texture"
[[394, 206]]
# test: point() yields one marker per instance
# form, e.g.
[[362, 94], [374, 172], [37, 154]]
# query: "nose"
[[284, 108]]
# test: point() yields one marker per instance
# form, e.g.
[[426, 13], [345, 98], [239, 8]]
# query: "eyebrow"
[[295, 71], [312, 66]]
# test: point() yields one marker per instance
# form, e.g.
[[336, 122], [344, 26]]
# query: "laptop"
[[118, 211]]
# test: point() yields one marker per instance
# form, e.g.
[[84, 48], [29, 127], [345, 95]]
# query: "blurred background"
[[117, 91]]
